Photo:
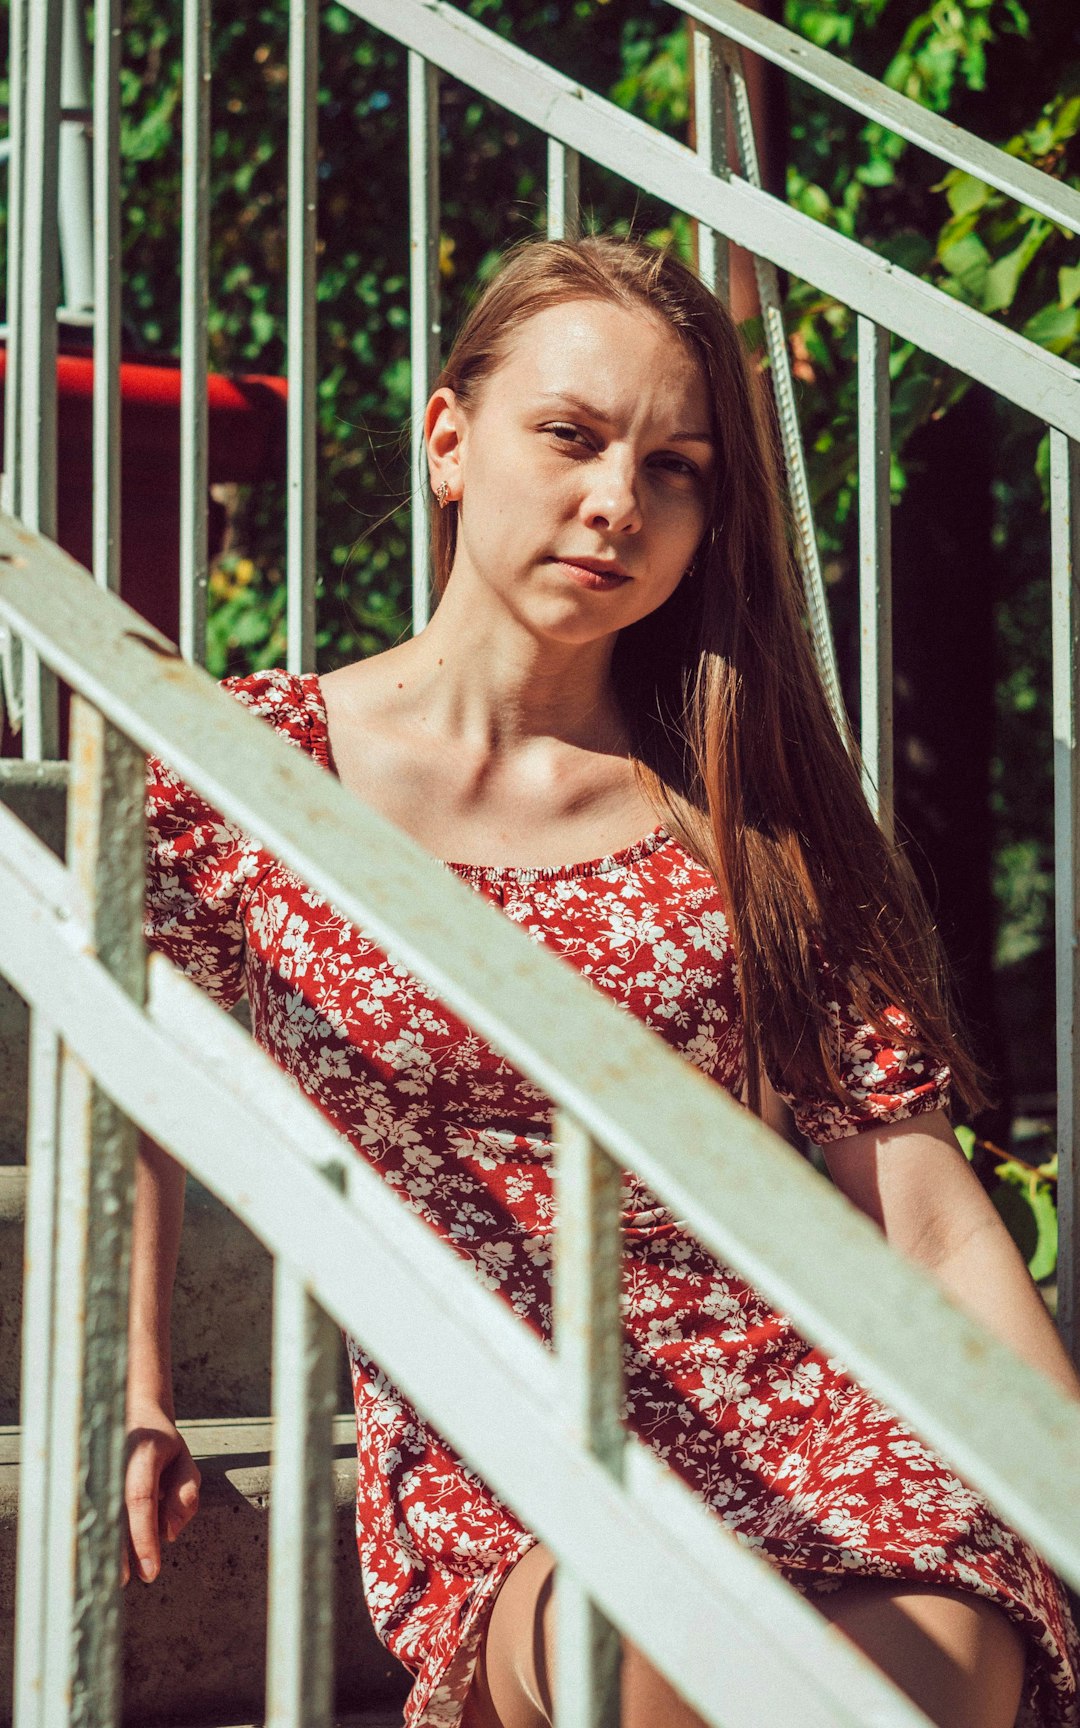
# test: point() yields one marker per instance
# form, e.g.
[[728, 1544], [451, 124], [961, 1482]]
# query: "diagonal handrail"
[[200, 1086], [743, 1192], [117, 1042], [975, 344], [855, 89]]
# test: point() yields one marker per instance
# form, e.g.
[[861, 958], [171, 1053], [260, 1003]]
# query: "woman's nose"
[[612, 500]]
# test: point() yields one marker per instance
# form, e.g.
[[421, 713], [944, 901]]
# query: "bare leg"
[[959, 1658], [511, 1687], [514, 1676]]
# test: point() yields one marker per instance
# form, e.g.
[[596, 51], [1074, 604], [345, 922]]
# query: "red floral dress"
[[798, 1461]]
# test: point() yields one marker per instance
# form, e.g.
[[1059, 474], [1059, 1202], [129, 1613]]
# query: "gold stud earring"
[[442, 493]]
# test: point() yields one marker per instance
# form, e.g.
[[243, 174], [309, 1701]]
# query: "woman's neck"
[[482, 678]]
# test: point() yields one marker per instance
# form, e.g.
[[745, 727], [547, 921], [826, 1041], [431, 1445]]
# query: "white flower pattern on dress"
[[798, 1461]]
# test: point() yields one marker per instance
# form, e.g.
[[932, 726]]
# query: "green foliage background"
[[852, 175]]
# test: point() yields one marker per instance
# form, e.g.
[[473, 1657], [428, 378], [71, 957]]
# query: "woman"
[[618, 641]]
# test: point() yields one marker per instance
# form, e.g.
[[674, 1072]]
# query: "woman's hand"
[[161, 1489], [161, 1481]]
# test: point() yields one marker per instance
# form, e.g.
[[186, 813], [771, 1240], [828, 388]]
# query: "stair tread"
[[365, 1719], [210, 1597], [210, 1437]]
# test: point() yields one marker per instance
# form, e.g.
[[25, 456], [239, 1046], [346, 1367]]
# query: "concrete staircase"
[[194, 1640]]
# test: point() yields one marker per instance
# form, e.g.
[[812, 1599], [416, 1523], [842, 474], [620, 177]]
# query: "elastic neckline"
[[624, 858], [611, 862]]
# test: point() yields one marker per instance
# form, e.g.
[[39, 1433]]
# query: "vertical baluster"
[[1065, 617], [710, 139], [38, 1375], [18, 27], [300, 1633], [11, 650], [41, 264], [94, 1189], [300, 522], [875, 571], [194, 296], [424, 347], [768, 287], [75, 171], [588, 1341], [563, 192], [106, 253], [36, 500]]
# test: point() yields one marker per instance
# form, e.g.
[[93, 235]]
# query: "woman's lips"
[[587, 577]]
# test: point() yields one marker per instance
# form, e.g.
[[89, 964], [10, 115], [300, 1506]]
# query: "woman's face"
[[583, 469]]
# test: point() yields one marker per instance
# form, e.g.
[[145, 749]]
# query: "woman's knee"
[[515, 1675], [956, 1655], [512, 1686]]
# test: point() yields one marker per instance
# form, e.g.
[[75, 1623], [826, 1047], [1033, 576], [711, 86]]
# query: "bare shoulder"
[[360, 691], [363, 714]]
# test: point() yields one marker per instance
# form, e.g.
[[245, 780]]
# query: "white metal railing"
[[117, 1041], [196, 1083], [887, 300]]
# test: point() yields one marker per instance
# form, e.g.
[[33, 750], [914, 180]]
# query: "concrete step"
[[221, 1311], [195, 1639], [366, 1719]]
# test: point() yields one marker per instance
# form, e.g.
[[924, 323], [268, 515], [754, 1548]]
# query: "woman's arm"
[[161, 1487], [913, 1180]]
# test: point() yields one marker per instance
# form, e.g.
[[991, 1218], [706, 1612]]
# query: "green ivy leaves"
[[1025, 1198]]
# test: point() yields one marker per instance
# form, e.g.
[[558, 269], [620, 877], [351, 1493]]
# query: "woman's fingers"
[[161, 1495], [180, 1501], [141, 1498]]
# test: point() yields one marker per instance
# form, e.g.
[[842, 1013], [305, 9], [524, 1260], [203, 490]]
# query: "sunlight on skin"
[[960, 1659], [495, 735]]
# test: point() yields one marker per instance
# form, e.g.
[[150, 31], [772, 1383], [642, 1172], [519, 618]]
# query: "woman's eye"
[[568, 434], [677, 465]]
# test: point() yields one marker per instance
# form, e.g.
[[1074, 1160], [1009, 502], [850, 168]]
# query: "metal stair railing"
[[117, 1041], [579, 124], [726, 204]]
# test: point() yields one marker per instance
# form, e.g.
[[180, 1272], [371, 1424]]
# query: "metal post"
[[300, 517], [588, 1343], [40, 265], [38, 1376], [17, 97], [194, 292], [1065, 630], [768, 287], [300, 1632], [12, 668], [563, 192], [875, 572], [424, 304], [710, 140], [106, 264], [35, 463], [80, 1683], [75, 203]]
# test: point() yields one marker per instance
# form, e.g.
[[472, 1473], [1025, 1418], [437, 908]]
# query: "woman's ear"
[[444, 429]]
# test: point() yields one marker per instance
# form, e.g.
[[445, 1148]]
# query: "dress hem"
[[441, 1703], [440, 1700]]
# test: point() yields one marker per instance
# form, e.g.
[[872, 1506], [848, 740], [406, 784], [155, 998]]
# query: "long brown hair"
[[734, 740]]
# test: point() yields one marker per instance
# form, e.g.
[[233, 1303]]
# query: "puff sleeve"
[[888, 1075], [198, 865]]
